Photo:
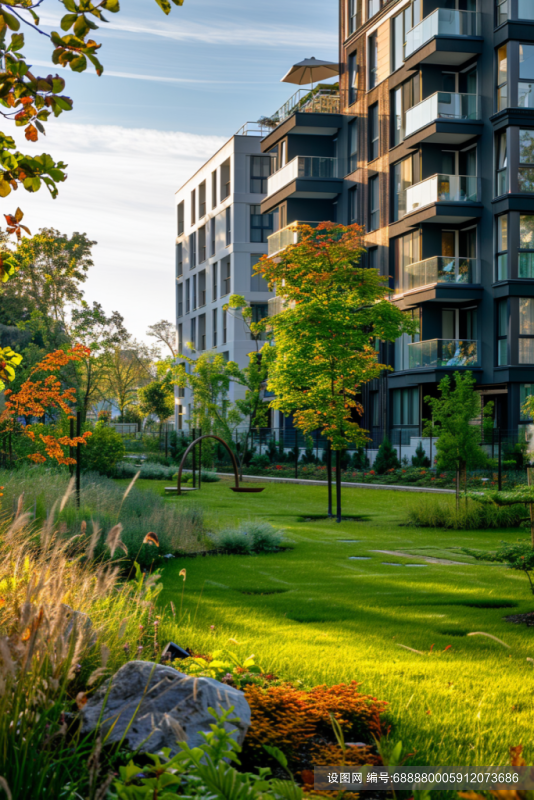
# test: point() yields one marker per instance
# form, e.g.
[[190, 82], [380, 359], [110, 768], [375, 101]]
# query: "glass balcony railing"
[[442, 22], [438, 269], [441, 105], [322, 100], [438, 189], [443, 353], [302, 167], [285, 236]]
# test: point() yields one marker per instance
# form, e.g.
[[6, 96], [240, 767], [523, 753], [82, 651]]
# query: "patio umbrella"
[[311, 70]]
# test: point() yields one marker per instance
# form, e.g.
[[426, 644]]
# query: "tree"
[[325, 338], [420, 459], [386, 458], [157, 399], [127, 368], [104, 450], [165, 332]]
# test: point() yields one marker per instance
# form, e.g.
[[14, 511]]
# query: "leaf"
[[18, 215], [11, 21], [68, 21], [70, 5], [17, 41], [277, 754], [5, 188], [31, 133], [164, 5], [81, 28], [78, 64]]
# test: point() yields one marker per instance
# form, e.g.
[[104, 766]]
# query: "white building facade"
[[221, 234]]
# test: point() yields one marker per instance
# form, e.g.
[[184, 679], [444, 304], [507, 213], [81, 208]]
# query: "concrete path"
[[344, 484]]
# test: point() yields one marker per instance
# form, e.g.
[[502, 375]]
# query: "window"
[[374, 140], [353, 204], [353, 78], [180, 218], [225, 180], [526, 390], [373, 60], [526, 246], [257, 282], [192, 250], [202, 296], [525, 9], [202, 332], [526, 330], [202, 254], [502, 333], [261, 225], [187, 296], [260, 167], [202, 200], [405, 406], [397, 42], [194, 303], [355, 15], [212, 236], [180, 300], [502, 164], [353, 145], [502, 78], [225, 277], [259, 312], [403, 175], [407, 252], [372, 258], [374, 204], [214, 282], [501, 12], [402, 344], [526, 160], [194, 333], [373, 7], [283, 154], [403, 98], [193, 207], [180, 338], [179, 260], [214, 189], [224, 327], [228, 226], [214, 327], [525, 93], [502, 247]]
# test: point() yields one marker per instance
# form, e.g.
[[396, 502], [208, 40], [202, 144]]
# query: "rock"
[[173, 708], [173, 651]]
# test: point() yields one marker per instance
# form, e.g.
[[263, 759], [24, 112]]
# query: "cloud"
[[120, 191]]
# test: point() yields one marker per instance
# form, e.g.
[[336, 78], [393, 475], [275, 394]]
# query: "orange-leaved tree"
[[334, 313], [44, 393]]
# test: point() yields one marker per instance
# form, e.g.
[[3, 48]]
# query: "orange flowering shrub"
[[38, 395], [298, 723]]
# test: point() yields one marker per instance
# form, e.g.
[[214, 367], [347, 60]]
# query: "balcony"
[[438, 189], [302, 167], [322, 100], [439, 269], [442, 106], [442, 22], [435, 353], [281, 239]]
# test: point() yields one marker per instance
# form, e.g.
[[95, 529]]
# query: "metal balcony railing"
[[441, 22], [285, 236], [443, 353], [321, 100], [442, 105], [302, 167], [439, 269], [438, 189]]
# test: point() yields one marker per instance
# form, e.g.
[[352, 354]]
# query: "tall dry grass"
[[431, 512]]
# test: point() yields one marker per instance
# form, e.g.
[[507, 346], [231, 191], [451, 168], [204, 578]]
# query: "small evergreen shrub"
[[103, 451], [386, 458], [209, 477], [149, 471], [260, 461], [251, 536], [359, 459], [420, 459]]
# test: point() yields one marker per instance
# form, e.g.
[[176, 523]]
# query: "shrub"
[[260, 461], [359, 459], [159, 458], [103, 451], [148, 470], [209, 477], [518, 556], [429, 512], [249, 537], [298, 723], [386, 458], [420, 459], [309, 456], [233, 542]]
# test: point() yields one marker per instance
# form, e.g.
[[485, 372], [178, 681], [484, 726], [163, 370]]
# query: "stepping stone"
[[359, 558], [348, 541], [416, 565], [391, 564]]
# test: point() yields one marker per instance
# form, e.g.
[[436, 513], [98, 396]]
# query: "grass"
[[312, 614]]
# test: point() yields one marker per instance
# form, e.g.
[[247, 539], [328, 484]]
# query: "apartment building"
[[221, 234], [428, 142]]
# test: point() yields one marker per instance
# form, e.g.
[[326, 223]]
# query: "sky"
[[174, 90]]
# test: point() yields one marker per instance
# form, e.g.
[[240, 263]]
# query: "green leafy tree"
[[127, 367], [164, 332], [157, 399], [326, 336], [386, 458], [104, 450], [420, 459]]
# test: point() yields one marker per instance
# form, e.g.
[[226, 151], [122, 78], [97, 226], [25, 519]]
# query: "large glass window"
[[502, 78], [525, 9], [373, 60], [226, 275], [406, 406], [187, 296], [180, 218], [373, 7], [402, 176], [407, 251], [374, 132], [192, 250], [214, 314], [502, 247], [525, 92], [502, 332], [526, 390], [179, 260], [180, 300], [502, 164], [374, 203], [355, 15], [526, 246], [397, 42], [202, 200], [202, 251], [353, 204], [257, 282], [526, 160], [202, 294], [402, 99], [228, 226], [261, 225], [353, 145], [353, 78], [526, 330], [214, 282], [260, 167]]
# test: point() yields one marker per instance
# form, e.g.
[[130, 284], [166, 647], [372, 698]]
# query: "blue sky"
[[174, 89]]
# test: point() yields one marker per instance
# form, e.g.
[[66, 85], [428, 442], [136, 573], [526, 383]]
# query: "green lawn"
[[313, 614]]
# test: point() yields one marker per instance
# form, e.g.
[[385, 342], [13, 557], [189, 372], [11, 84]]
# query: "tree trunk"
[[338, 486], [329, 475], [531, 506]]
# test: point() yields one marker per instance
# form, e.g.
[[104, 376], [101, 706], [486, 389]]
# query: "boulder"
[[172, 707]]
